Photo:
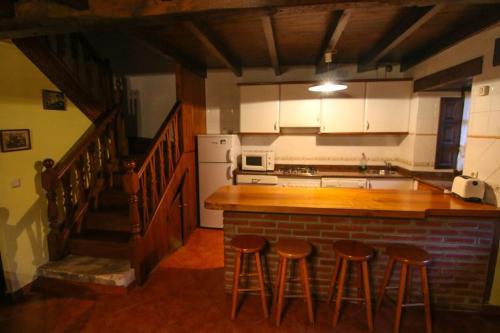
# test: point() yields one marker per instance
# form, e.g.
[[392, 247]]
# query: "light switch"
[[484, 90], [16, 182]]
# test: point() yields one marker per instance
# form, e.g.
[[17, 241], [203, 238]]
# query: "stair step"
[[108, 220], [114, 198], [101, 244], [84, 269]]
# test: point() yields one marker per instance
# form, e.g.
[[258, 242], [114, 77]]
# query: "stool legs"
[[387, 276], [334, 279], [307, 290], [401, 294], [366, 282], [340, 291], [281, 290], [236, 285], [427, 304], [260, 274]]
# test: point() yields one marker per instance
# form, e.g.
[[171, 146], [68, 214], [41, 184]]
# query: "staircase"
[[113, 213]]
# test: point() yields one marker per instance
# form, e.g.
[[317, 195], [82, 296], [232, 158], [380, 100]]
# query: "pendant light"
[[328, 85]]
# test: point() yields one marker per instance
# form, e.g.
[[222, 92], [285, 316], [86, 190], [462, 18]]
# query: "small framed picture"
[[15, 139], [53, 100]]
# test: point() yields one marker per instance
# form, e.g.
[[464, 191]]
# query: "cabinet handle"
[[229, 173], [229, 155], [275, 126], [367, 125]]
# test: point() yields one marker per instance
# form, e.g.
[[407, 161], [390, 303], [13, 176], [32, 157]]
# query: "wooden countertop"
[[339, 201]]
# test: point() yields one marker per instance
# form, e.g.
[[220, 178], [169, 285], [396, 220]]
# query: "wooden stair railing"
[[72, 64], [76, 180], [147, 185]]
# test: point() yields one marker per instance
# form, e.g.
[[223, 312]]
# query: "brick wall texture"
[[460, 249]]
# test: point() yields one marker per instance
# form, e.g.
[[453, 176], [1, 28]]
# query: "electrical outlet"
[[484, 90], [15, 183]]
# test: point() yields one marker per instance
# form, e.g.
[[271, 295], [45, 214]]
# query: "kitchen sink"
[[377, 172]]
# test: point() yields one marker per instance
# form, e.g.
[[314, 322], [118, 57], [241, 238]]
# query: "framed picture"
[[53, 100], [15, 139]]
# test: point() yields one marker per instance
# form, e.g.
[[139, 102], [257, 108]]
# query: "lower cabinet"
[[391, 184]]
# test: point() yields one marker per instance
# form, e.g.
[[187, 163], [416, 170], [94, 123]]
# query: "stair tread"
[[102, 236], [86, 269]]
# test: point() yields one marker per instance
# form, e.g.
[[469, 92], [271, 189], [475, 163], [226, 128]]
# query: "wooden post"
[[131, 187], [49, 184]]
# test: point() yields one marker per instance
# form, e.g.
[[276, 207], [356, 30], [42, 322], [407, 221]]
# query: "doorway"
[[449, 132]]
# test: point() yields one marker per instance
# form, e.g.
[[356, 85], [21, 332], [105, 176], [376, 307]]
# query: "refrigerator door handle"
[[229, 155], [229, 172]]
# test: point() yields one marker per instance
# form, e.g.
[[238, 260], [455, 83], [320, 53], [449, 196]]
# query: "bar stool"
[[292, 249], [248, 244], [346, 251], [408, 256]]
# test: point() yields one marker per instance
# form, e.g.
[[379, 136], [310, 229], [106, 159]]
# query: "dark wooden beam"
[[272, 47], [450, 75], [212, 43], [440, 44], [36, 17], [334, 31], [405, 28], [164, 48], [6, 8], [75, 4]]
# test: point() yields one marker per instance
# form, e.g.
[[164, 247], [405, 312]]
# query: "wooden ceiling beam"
[[164, 48], [405, 28], [337, 26], [272, 46], [438, 45], [34, 17], [212, 43], [460, 72]]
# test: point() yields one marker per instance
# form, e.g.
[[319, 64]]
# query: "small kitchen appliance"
[[257, 160], [468, 188]]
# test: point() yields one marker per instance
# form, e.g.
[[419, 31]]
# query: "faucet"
[[388, 166]]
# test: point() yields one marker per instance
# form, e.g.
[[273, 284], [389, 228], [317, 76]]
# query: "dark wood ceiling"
[[238, 34]]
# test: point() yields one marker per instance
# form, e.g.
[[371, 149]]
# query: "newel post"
[[131, 187], [49, 184]]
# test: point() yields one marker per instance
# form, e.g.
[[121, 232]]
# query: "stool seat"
[[293, 248], [409, 254], [353, 250], [248, 243]]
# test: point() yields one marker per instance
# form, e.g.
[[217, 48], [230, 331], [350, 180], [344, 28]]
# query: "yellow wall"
[[23, 216]]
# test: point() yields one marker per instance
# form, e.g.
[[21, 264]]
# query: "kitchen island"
[[461, 236]]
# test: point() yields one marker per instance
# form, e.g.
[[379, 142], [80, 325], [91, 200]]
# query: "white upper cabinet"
[[344, 111], [259, 108], [299, 107], [387, 106]]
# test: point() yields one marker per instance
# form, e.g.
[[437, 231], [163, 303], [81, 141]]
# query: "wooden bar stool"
[[346, 251], [292, 249], [248, 244], [408, 256]]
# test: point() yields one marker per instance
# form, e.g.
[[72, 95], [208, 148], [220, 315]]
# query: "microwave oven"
[[257, 160]]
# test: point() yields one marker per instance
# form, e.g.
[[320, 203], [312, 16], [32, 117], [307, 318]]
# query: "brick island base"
[[462, 248]]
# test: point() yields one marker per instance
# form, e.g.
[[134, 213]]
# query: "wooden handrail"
[[149, 183], [81, 145], [156, 141]]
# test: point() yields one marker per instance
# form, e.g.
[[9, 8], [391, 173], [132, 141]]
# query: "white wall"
[[157, 95]]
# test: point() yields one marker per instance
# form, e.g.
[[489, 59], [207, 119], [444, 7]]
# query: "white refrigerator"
[[217, 159]]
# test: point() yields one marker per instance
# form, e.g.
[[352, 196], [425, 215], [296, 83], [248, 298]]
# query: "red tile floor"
[[185, 294]]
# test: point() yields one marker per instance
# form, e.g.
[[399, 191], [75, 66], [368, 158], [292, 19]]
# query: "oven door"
[[254, 161]]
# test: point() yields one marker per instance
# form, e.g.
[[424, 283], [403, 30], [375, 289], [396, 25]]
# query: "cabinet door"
[[174, 222], [391, 184], [344, 111], [299, 107], [387, 107], [189, 202], [259, 109]]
